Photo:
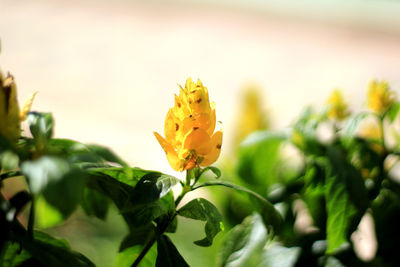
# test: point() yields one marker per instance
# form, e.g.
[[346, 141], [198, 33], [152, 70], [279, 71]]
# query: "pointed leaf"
[[203, 210], [244, 244], [168, 255]]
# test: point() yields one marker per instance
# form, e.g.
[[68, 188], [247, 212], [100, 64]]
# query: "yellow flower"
[[251, 117], [10, 114], [379, 97], [190, 140], [337, 107]]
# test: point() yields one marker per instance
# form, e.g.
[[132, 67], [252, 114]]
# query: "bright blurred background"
[[107, 70]]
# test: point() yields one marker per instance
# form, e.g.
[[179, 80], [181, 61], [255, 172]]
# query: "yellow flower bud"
[[337, 107], [190, 140], [10, 115], [379, 97]]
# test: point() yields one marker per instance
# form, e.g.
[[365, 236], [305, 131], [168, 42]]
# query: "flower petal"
[[198, 140], [27, 107], [216, 143], [172, 156]]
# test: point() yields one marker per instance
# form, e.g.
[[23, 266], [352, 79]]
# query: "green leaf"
[[41, 125], [258, 158], [152, 187], [138, 236], [314, 194], [351, 127], [270, 215], [394, 109], [346, 199], [276, 255], [95, 203], [168, 255], [106, 154], [85, 156], [244, 244], [46, 215], [115, 183], [126, 257], [386, 213], [137, 193], [13, 255], [61, 185], [202, 209], [44, 171], [54, 252], [213, 169]]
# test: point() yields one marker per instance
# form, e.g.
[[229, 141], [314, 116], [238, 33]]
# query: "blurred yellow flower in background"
[[371, 130], [250, 118], [337, 107], [10, 114], [190, 140], [379, 96]]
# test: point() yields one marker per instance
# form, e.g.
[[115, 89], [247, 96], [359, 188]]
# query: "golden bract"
[[379, 97], [189, 127], [10, 114], [337, 107]]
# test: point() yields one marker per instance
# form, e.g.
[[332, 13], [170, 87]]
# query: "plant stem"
[[144, 252], [233, 186], [164, 228]]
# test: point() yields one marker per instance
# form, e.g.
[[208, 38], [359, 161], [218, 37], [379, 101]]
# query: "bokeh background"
[[107, 70]]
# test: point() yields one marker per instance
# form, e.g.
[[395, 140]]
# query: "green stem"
[[233, 186], [144, 252], [189, 174]]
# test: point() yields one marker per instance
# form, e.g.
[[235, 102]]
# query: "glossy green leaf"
[[115, 183], [244, 244], [152, 187], [168, 255], [139, 194], [346, 199], [202, 209]]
